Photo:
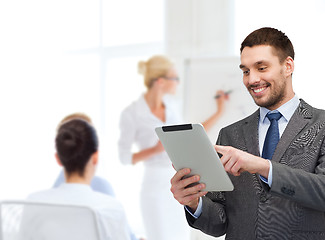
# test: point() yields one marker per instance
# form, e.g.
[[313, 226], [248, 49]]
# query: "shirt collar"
[[287, 109], [145, 107]]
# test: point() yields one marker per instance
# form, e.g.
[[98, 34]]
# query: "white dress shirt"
[[287, 110], [112, 219], [137, 126]]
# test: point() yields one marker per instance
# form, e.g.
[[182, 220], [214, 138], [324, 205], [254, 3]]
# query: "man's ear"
[[289, 64], [58, 159]]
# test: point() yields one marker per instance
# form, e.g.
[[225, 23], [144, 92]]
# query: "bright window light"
[[131, 22]]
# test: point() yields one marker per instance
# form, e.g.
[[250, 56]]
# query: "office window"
[[53, 64], [132, 22], [124, 85], [63, 57]]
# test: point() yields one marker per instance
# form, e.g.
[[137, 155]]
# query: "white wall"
[[40, 84]]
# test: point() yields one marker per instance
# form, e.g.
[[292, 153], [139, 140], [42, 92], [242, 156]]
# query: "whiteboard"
[[203, 77]]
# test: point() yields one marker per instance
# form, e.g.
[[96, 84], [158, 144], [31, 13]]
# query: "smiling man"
[[275, 157], [267, 76]]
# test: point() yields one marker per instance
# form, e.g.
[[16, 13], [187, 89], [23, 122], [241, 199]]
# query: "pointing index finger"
[[219, 148]]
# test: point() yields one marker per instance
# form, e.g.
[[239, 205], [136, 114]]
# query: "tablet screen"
[[188, 146]]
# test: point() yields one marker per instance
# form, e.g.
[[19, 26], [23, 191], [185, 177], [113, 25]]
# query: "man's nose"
[[254, 78]]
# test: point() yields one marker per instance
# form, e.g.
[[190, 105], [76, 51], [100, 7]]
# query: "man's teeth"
[[258, 90]]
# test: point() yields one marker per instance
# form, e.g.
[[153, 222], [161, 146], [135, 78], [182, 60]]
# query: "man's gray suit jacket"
[[294, 206]]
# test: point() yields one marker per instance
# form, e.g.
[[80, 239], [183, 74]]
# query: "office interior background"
[[65, 56]]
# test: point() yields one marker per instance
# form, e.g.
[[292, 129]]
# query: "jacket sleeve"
[[305, 188], [300, 174], [213, 219]]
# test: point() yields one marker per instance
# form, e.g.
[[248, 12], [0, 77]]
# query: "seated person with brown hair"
[[98, 184], [77, 151]]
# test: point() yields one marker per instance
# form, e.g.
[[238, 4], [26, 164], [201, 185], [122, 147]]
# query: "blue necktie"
[[272, 135]]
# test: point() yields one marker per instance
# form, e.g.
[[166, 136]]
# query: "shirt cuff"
[[268, 181], [198, 210]]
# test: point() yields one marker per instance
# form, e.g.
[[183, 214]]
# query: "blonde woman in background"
[[163, 217]]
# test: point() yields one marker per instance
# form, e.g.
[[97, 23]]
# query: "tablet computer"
[[188, 146]]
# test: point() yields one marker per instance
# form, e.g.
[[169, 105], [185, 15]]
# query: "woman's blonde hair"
[[76, 115], [155, 67]]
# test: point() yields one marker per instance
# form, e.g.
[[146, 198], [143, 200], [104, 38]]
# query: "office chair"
[[25, 220]]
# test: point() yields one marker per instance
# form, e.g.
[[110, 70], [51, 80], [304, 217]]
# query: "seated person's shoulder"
[[102, 200], [42, 196]]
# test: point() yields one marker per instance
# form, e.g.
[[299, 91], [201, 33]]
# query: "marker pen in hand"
[[226, 93]]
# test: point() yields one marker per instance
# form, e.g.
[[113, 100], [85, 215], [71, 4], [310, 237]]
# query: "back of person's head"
[[154, 68], [271, 37], [76, 141]]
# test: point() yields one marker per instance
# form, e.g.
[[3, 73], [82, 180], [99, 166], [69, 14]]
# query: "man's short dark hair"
[[271, 37]]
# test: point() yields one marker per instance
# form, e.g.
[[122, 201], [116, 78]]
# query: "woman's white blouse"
[[137, 126]]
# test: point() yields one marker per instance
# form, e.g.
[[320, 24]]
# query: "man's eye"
[[246, 72], [262, 68]]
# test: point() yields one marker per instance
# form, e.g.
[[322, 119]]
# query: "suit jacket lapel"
[[297, 122], [251, 133]]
